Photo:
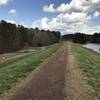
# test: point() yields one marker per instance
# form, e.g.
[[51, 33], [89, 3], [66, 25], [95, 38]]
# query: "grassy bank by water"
[[89, 64], [16, 69]]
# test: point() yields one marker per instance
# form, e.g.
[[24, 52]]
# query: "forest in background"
[[83, 38], [15, 37]]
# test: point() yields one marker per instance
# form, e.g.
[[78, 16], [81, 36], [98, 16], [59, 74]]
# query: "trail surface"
[[55, 80]]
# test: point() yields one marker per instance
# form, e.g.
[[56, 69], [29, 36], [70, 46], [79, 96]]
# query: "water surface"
[[93, 46]]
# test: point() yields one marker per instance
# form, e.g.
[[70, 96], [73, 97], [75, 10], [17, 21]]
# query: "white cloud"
[[75, 6], [76, 16], [46, 24], [11, 21], [65, 23], [65, 27], [96, 14], [17, 23], [49, 8], [84, 28], [12, 11], [42, 24], [3, 2]]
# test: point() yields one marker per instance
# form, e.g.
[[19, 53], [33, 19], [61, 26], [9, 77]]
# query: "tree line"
[[83, 38], [15, 37]]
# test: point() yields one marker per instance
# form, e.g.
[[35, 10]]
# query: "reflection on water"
[[93, 46]]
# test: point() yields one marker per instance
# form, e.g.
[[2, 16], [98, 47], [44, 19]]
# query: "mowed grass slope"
[[16, 69], [89, 64]]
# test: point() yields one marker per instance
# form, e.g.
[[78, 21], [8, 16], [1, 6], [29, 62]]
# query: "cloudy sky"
[[66, 16]]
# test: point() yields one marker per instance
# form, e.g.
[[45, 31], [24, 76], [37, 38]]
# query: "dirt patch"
[[47, 83], [73, 86], [58, 79]]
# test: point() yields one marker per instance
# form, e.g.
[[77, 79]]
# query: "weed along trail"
[[57, 79]]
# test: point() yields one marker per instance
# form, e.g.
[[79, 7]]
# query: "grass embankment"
[[16, 69], [89, 64]]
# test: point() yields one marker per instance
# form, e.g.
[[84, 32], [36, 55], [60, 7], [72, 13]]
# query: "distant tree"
[[9, 37], [79, 38], [96, 38], [14, 37]]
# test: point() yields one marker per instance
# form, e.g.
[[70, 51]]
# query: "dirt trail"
[[47, 82], [55, 80], [73, 84]]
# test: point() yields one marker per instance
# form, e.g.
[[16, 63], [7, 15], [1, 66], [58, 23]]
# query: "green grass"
[[89, 63], [14, 70]]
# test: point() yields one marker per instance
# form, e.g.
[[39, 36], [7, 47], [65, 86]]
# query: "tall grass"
[[89, 64], [16, 69]]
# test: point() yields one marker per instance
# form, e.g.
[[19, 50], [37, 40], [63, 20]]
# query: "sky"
[[66, 16]]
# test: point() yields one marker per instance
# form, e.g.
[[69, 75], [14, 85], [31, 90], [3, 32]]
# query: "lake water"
[[93, 46]]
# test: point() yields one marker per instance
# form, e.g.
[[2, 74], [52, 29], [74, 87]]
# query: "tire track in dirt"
[[57, 79], [73, 84], [47, 83]]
